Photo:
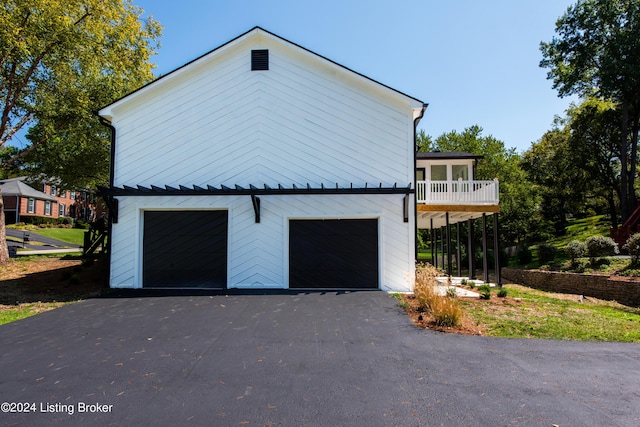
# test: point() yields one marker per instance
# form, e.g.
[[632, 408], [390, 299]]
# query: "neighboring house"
[[25, 203], [22, 201], [263, 165]]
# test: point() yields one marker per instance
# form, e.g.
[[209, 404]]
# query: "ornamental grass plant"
[[446, 310]]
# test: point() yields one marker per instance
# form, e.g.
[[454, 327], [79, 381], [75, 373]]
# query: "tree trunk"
[[625, 208], [635, 125], [4, 251], [613, 215], [633, 161]]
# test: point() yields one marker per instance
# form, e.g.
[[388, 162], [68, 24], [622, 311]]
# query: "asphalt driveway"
[[298, 359]]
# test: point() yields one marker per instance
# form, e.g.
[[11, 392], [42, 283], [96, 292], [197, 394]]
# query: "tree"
[[559, 180], [593, 147], [597, 54], [576, 165], [59, 61], [424, 142]]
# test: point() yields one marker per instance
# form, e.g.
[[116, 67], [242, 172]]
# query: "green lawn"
[[73, 236], [541, 315], [26, 310], [581, 229]]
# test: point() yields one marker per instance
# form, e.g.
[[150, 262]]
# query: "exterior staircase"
[[93, 239], [630, 226]]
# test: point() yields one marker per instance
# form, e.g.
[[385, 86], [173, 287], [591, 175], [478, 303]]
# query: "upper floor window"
[[438, 172], [72, 196], [448, 172], [460, 172], [53, 190]]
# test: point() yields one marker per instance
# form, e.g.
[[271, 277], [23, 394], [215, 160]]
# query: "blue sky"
[[473, 62]]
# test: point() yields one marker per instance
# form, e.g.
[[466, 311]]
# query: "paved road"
[[299, 359]]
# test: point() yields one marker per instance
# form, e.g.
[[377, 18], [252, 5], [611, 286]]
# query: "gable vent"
[[259, 60]]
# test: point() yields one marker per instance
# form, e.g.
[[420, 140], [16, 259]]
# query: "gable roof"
[[17, 187], [417, 105]]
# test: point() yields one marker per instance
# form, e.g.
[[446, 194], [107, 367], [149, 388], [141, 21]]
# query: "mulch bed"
[[50, 280]]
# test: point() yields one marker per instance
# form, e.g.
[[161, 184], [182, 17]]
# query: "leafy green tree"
[[560, 183], [593, 147], [576, 165], [59, 61], [597, 53], [424, 142]]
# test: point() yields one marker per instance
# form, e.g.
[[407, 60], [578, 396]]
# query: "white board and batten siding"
[[304, 121]]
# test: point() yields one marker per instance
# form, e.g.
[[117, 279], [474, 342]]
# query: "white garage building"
[[263, 165]]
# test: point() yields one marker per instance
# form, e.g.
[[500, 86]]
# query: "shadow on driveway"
[[298, 358]]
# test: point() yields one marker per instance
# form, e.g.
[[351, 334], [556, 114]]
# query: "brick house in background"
[[24, 202]]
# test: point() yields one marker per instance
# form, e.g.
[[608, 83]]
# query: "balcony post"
[[458, 255], [442, 245], [471, 250], [485, 249], [496, 250], [448, 244], [433, 245]]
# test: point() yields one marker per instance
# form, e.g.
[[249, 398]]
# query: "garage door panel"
[[333, 253], [185, 249]]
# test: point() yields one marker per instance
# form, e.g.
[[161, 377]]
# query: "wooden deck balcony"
[[458, 192], [455, 201]]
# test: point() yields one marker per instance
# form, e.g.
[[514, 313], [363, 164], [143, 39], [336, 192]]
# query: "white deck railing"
[[458, 192]]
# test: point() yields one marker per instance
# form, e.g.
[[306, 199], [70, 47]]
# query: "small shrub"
[[633, 247], [451, 292], [485, 291], [81, 224], [502, 293], [546, 253], [600, 246], [524, 255], [448, 313], [575, 249]]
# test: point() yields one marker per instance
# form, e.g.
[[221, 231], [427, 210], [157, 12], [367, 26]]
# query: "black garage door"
[[333, 253], [185, 249]]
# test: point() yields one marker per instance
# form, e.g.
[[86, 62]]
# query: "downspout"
[[416, 120], [108, 124]]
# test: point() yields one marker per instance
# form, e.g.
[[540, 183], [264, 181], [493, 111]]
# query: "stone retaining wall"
[[625, 292]]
